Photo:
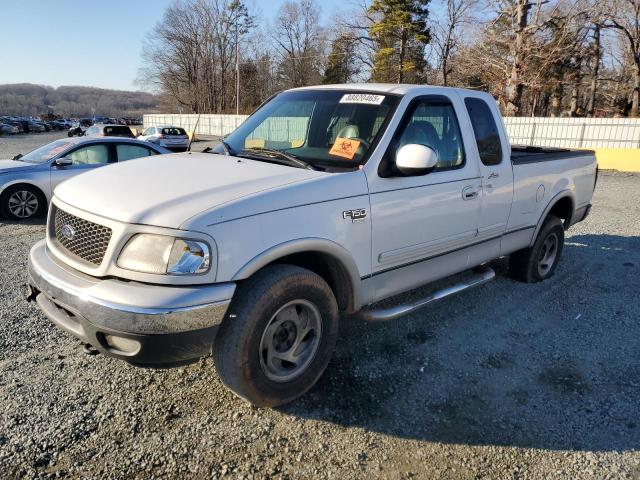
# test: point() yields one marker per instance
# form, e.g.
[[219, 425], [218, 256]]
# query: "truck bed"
[[527, 154]]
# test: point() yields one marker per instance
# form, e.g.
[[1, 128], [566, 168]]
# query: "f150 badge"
[[358, 215]]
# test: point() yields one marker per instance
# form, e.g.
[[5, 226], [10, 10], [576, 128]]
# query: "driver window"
[[435, 125], [90, 155]]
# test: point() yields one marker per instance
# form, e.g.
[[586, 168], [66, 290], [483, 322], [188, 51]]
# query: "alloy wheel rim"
[[548, 254], [23, 204], [290, 341]]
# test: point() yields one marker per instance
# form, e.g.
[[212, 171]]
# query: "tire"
[[22, 202], [257, 331], [539, 262]]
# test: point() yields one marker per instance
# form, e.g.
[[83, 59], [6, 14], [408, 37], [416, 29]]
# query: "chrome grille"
[[82, 238]]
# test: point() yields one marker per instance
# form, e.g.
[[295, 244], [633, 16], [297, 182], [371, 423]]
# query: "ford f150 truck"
[[323, 202]]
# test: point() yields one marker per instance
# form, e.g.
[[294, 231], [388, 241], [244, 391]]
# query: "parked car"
[[6, 129], [109, 131], [252, 254], [36, 127], [27, 182], [173, 138], [16, 124]]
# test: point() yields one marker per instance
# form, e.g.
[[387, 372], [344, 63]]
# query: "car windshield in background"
[[173, 131], [320, 127], [46, 152]]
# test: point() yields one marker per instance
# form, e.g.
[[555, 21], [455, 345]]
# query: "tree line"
[[537, 57], [32, 100]]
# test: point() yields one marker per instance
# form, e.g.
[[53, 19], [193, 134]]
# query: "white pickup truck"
[[323, 202]]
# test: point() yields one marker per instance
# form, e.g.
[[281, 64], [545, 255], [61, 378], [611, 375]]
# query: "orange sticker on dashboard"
[[345, 148]]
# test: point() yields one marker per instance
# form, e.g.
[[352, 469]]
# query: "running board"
[[482, 275]]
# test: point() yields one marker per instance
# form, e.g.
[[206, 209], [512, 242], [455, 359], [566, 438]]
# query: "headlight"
[[160, 254]]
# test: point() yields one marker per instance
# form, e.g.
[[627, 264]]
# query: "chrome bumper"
[[93, 309]]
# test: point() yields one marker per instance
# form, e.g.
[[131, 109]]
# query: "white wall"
[[542, 131]]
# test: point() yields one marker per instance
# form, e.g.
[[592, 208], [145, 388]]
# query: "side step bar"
[[482, 275]]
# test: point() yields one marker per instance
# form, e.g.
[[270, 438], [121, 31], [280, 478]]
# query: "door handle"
[[493, 175], [469, 193]]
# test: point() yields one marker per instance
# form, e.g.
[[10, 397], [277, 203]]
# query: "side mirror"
[[414, 159], [63, 162]]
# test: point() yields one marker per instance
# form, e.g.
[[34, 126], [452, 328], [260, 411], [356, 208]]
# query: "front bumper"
[[146, 325]]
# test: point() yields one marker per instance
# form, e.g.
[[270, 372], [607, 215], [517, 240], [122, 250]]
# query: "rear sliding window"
[[485, 130], [173, 131]]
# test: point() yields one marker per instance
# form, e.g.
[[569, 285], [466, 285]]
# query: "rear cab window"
[[485, 130]]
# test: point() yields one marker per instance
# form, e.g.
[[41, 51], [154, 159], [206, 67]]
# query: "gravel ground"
[[506, 381]]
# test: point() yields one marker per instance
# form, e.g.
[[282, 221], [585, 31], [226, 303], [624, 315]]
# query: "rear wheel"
[[540, 261], [22, 202], [278, 335]]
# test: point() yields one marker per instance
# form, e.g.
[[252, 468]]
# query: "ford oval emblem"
[[67, 232]]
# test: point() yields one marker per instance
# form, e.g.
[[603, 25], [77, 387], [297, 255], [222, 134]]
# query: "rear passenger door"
[[495, 166]]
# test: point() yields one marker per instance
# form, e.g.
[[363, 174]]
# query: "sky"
[[91, 43]]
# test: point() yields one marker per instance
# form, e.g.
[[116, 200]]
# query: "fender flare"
[[301, 245], [559, 196]]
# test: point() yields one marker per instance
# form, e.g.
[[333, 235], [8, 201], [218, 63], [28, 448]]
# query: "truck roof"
[[395, 88]]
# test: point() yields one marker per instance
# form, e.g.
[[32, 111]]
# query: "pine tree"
[[340, 63], [401, 35]]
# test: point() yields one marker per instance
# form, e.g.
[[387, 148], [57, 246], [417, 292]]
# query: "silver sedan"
[[173, 138], [27, 182]]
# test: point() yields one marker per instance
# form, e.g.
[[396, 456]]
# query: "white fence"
[[574, 132], [542, 131], [210, 125]]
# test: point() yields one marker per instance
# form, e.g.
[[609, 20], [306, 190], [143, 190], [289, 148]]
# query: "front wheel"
[[22, 202], [540, 261], [278, 335]]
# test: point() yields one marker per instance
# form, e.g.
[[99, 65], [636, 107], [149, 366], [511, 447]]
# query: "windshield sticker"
[[345, 148], [367, 98]]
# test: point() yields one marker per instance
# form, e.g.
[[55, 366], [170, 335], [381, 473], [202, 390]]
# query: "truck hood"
[[7, 166], [167, 190]]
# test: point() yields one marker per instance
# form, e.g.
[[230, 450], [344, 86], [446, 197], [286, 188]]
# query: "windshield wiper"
[[17, 157], [275, 155]]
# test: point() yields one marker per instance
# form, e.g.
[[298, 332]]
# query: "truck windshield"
[[319, 127]]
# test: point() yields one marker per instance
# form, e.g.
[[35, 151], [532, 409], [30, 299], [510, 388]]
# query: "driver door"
[[418, 218], [85, 158]]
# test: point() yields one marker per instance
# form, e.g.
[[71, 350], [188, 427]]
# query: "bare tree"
[[300, 41], [624, 17], [596, 60], [447, 32]]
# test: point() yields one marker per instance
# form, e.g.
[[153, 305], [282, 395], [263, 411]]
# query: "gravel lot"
[[506, 381]]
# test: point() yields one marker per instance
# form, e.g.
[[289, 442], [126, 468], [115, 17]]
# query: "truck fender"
[[302, 245], [559, 196]]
